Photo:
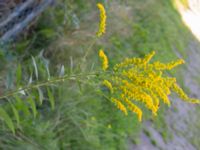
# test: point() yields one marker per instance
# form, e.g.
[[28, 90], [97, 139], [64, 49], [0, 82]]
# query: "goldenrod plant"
[[132, 83]]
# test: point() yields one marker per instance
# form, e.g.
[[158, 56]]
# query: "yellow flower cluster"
[[136, 82], [102, 23], [104, 59]]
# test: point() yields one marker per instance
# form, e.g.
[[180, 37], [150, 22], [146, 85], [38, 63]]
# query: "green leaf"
[[33, 106], [16, 114], [21, 46], [62, 71], [51, 99], [9, 79], [21, 105], [41, 96], [5, 117], [80, 86], [35, 67], [45, 63], [48, 33], [18, 74]]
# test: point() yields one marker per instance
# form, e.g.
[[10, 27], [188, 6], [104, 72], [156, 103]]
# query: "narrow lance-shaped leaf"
[[30, 79], [18, 75], [46, 64], [35, 67], [62, 71], [9, 79], [79, 86], [71, 64], [33, 106], [48, 72], [49, 33], [51, 99], [16, 114], [5, 117], [22, 91], [41, 96], [21, 105]]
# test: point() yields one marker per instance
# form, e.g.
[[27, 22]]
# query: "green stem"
[[89, 48], [46, 83]]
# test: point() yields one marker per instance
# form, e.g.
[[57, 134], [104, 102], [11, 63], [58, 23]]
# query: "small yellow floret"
[[108, 85], [102, 23], [104, 59], [120, 106]]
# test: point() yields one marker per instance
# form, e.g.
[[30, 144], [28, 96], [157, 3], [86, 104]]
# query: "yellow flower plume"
[[104, 59], [102, 23]]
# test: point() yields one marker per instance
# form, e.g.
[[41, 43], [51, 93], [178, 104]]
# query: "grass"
[[83, 119]]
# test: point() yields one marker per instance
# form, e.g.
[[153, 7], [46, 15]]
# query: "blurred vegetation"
[[82, 119], [185, 3]]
